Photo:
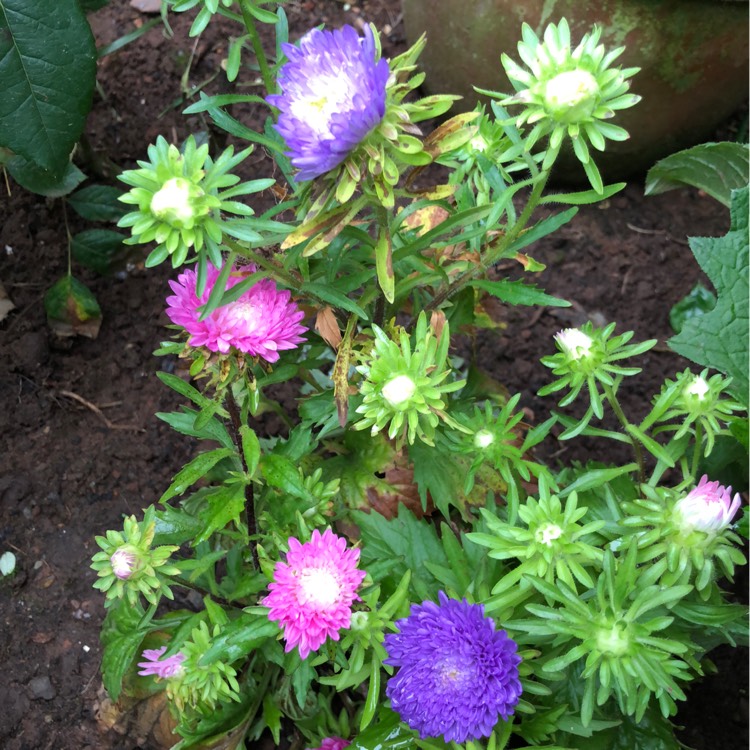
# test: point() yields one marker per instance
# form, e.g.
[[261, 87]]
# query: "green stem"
[[260, 55], [620, 414], [279, 273], [235, 423], [501, 248], [696, 450]]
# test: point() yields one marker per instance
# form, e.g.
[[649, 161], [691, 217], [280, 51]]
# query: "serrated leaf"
[[47, 69], [719, 339], [184, 422], [120, 638], [282, 473], [518, 293], [194, 470], [175, 526], [72, 309], [406, 539], [222, 506], [42, 181], [97, 248], [715, 168], [239, 638], [98, 203]]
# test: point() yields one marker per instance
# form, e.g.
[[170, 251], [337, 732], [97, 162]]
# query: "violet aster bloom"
[[457, 676], [161, 668], [312, 593], [709, 507], [332, 743], [262, 322], [333, 92]]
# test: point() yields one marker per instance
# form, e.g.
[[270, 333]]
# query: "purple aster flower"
[[161, 668], [262, 322], [709, 507], [457, 676], [333, 95]]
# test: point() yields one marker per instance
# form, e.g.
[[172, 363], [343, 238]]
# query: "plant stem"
[[260, 55], [637, 447], [252, 526], [289, 278], [508, 239], [696, 450]]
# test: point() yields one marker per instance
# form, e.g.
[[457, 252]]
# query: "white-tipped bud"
[[698, 388], [571, 96], [123, 563], [483, 439], [172, 203], [398, 390], [547, 534], [574, 342], [710, 507]]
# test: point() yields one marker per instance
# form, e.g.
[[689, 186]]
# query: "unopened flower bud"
[[574, 342], [483, 439], [547, 534], [571, 96], [710, 507], [398, 390], [697, 388], [173, 202], [123, 563]]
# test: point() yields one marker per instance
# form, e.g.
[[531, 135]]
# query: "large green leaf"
[[719, 338], [43, 181], [716, 168], [47, 69], [121, 636]]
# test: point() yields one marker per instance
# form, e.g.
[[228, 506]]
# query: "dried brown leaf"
[[328, 327]]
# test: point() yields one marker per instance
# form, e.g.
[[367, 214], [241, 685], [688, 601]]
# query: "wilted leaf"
[[341, 372], [72, 310], [328, 327]]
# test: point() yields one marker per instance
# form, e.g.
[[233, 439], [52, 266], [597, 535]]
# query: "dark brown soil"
[[80, 443]]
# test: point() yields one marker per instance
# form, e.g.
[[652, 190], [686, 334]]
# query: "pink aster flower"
[[162, 668], [262, 322], [312, 593], [332, 743], [709, 507]]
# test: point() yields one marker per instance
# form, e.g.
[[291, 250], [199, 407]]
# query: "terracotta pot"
[[693, 56]]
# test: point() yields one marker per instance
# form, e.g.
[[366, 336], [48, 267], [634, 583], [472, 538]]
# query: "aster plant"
[[367, 551]]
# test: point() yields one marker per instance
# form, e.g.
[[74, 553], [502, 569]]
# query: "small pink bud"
[[123, 563], [710, 507]]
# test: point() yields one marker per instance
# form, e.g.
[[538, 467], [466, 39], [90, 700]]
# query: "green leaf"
[[97, 248], [282, 473], [388, 734], [715, 168], [239, 638], [698, 301], [175, 526], [373, 694], [72, 309], [719, 338], [584, 197], [406, 539], [184, 422], [42, 181], [333, 297], [98, 203], [194, 470], [518, 293], [47, 69], [223, 505], [120, 638]]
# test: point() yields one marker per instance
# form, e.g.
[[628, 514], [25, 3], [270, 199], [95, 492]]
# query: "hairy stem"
[[620, 414], [260, 55]]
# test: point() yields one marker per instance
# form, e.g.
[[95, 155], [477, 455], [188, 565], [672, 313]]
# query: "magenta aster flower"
[[312, 593], [457, 676], [162, 668], [262, 322], [709, 507], [332, 743], [332, 96]]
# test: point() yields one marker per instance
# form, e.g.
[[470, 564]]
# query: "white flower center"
[[698, 388], [320, 587], [248, 315], [398, 390], [571, 89], [172, 202], [574, 342], [325, 96], [483, 439], [547, 534]]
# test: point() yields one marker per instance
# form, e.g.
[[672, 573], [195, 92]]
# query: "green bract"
[[144, 568], [180, 197], [569, 92], [404, 389]]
